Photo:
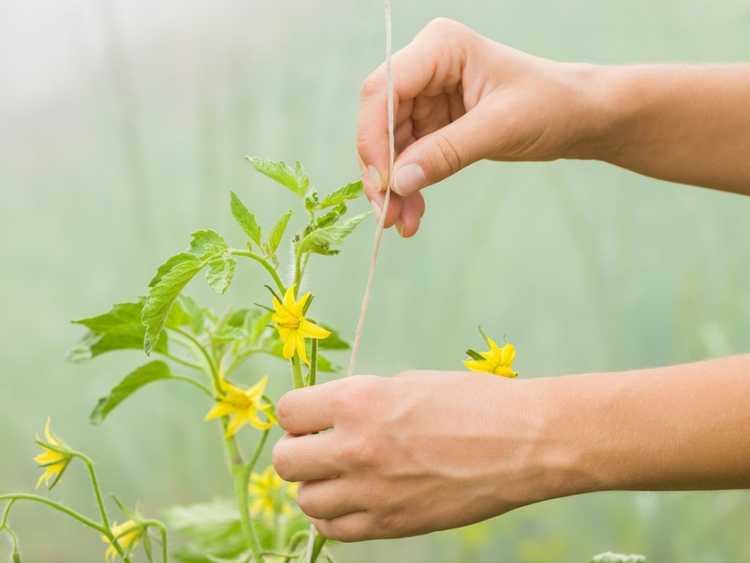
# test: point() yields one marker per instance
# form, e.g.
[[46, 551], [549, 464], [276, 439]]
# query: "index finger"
[[307, 410], [412, 68]]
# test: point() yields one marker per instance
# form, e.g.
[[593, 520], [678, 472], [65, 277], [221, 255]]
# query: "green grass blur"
[[123, 128]]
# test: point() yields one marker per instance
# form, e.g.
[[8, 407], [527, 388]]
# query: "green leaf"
[[169, 264], [294, 179], [207, 243], [220, 274], [331, 217], [206, 247], [277, 233], [195, 314], [320, 240], [120, 328], [345, 193], [162, 295], [245, 219], [134, 381], [334, 341]]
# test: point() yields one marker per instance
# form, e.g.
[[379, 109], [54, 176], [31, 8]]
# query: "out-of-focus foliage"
[[112, 108]]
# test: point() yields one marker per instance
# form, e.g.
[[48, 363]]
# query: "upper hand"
[[411, 454], [459, 98]]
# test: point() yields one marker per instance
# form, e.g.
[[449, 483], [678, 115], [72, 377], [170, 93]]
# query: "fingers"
[[411, 215], [429, 65], [329, 499], [305, 458], [443, 152], [377, 199], [349, 528], [307, 410]]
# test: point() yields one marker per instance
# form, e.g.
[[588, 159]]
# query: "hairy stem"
[[214, 370], [182, 361]]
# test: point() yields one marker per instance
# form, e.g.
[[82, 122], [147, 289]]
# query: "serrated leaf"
[[343, 194], [320, 240], [134, 381], [331, 217], [245, 219], [294, 179], [277, 233], [220, 273], [120, 328], [207, 243], [169, 264], [162, 295], [334, 341]]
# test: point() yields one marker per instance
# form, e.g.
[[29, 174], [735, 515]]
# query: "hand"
[[459, 98], [411, 454]]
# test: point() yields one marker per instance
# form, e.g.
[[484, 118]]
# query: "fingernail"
[[374, 180], [376, 209], [409, 179], [400, 228]]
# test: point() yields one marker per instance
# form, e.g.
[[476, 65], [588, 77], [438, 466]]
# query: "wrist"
[[601, 116]]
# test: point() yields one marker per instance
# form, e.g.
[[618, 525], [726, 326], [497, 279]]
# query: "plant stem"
[[162, 533], [263, 262], [297, 380], [182, 361], [195, 383], [59, 507], [240, 491], [100, 501], [313, 375], [297, 269], [209, 358]]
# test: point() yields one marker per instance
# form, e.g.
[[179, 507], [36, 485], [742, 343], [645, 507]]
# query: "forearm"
[[688, 124], [682, 427]]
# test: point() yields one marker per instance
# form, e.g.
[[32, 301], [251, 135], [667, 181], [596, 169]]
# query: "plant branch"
[[57, 506], [182, 361], [209, 358], [263, 262], [195, 383]]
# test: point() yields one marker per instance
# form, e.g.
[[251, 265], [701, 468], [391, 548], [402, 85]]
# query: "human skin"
[[390, 457]]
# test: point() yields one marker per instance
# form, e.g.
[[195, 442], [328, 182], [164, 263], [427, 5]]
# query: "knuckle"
[[390, 523], [353, 397], [449, 153], [442, 25]]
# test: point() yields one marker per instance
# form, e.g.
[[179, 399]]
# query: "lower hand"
[[411, 454]]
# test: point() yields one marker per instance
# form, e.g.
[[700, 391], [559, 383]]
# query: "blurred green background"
[[123, 128]]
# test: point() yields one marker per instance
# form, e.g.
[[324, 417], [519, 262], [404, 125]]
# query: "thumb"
[[442, 153]]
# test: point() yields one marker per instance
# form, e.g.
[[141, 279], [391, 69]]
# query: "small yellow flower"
[[293, 327], [127, 534], [271, 494], [497, 360], [243, 407], [55, 458]]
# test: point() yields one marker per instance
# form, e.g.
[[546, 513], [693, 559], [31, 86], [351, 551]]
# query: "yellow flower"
[[243, 406], [271, 494], [127, 534], [497, 360], [55, 458], [293, 327]]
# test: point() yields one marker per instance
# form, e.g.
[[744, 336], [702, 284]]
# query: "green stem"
[[241, 492], [182, 361], [100, 501], [297, 373], [297, 269], [59, 507], [6, 514], [209, 358], [162, 533], [263, 262], [195, 383], [313, 375]]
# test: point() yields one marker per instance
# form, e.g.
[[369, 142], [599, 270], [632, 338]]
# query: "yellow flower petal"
[[311, 330], [301, 349], [219, 410]]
